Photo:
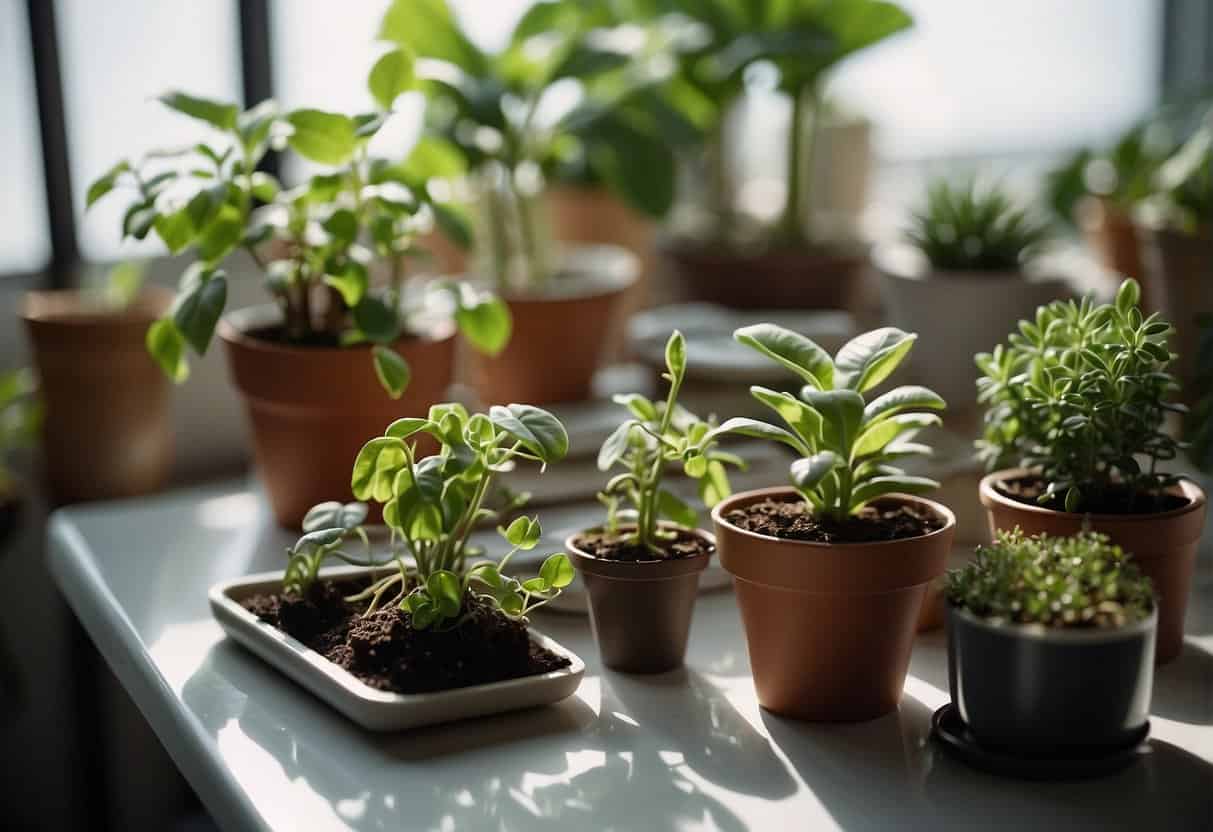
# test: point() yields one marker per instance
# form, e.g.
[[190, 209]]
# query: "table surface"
[[687, 750]]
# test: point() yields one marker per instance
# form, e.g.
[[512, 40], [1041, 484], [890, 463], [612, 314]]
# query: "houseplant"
[[321, 366], [642, 576], [970, 246], [432, 615], [787, 264], [842, 559], [106, 428], [20, 418], [1051, 645], [1076, 400], [506, 115]]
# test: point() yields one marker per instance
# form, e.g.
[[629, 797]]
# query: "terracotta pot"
[[1164, 545], [813, 279], [559, 337], [107, 429], [829, 627], [640, 613], [1110, 234], [313, 408]]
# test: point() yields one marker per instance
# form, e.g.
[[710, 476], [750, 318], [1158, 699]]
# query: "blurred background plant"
[[20, 420]]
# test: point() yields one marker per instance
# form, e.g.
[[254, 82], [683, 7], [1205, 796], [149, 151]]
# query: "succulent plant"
[[975, 228]]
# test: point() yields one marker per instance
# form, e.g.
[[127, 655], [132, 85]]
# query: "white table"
[[688, 750]]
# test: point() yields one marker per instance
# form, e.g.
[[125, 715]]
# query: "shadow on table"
[[1183, 689]]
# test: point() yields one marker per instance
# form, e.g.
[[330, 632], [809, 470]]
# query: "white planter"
[[375, 709]]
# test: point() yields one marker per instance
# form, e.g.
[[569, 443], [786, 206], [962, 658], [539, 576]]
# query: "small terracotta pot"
[[1109, 233], [559, 337], [640, 613], [107, 429], [829, 627], [313, 408], [1164, 545]]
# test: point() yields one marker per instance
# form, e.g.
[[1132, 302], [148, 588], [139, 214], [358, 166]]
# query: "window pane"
[[24, 238], [117, 57]]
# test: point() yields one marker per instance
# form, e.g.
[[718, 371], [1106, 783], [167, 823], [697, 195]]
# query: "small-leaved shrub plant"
[[658, 435], [849, 446], [1079, 396], [431, 505], [1079, 581]]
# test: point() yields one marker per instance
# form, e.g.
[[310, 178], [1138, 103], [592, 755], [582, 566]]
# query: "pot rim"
[[593, 270], [690, 245], [991, 496], [234, 325], [149, 304], [654, 570], [1059, 635]]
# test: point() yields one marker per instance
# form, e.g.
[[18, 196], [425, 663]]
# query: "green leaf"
[[615, 445], [391, 75], [511, 603], [539, 431], [103, 184], [524, 533], [802, 419], [1127, 296], [139, 219], [641, 408], [323, 137], [222, 235], [899, 399], [445, 588], [350, 281], [557, 571], [264, 186], [714, 485], [393, 371], [841, 415], [743, 426], [453, 223], [639, 165], [428, 29], [792, 351], [409, 425], [175, 229], [334, 515], [375, 468], [167, 347], [808, 472], [376, 320], [485, 321], [196, 312], [676, 356], [219, 114], [673, 508], [868, 359], [879, 486], [875, 437], [432, 157], [122, 284], [324, 187], [343, 225]]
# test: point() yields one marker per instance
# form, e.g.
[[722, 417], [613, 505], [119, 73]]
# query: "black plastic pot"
[[1045, 691]]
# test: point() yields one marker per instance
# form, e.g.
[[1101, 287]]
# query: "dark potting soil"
[[790, 519], [276, 334], [616, 547], [385, 652], [1117, 500]]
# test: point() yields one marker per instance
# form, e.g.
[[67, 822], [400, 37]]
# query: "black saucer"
[[950, 731]]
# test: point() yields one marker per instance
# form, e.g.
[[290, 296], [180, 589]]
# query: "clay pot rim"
[[757, 494], [889, 259], [233, 328], [991, 497], [148, 305], [591, 271], [1059, 635], [655, 570], [693, 246]]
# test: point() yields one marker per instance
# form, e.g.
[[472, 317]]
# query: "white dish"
[[375, 709]]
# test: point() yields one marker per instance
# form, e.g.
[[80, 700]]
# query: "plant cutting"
[[641, 568], [20, 420], [967, 262], [320, 367], [1076, 402], [1035, 625], [843, 557]]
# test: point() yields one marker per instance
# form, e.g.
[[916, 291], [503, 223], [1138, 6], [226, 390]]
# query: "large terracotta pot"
[[559, 335], [640, 613], [1164, 545], [1110, 234], [313, 408], [829, 627], [107, 430]]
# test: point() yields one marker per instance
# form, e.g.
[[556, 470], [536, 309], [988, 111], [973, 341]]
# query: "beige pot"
[[107, 430]]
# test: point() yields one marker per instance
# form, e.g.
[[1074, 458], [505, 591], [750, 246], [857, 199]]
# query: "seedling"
[[965, 227], [848, 445], [657, 435], [431, 506]]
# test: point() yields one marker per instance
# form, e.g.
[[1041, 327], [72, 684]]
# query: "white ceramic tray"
[[375, 709]]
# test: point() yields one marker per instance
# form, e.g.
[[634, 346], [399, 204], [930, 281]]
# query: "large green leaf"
[[323, 137], [222, 235], [196, 311], [428, 29], [219, 114], [539, 431], [879, 486], [802, 419], [615, 445], [899, 399], [333, 514], [792, 351], [376, 320], [485, 320], [880, 434], [350, 280], [391, 75], [431, 157], [743, 426], [841, 415], [375, 468], [808, 472], [868, 359], [167, 347], [392, 370]]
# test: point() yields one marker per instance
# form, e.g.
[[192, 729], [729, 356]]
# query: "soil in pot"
[[606, 546], [790, 519], [1029, 489], [385, 652]]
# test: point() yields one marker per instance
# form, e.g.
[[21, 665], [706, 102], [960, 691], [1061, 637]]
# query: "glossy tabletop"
[[688, 750]]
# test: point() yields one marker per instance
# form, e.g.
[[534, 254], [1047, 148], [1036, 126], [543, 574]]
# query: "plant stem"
[[792, 230], [720, 197]]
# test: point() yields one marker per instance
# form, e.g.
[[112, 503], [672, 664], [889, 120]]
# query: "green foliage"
[[1199, 423], [657, 435], [20, 417], [431, 506], [848, 445], [1079, 394], [1185, 185], [968, 228], [1074, 582]]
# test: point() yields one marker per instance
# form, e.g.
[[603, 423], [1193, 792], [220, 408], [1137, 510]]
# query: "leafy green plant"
[[1079, 396], [314, 243], [1185, 184], [1079, 581], [847, 444], [20, 419], [965, 227], [431, 506], [1199, 423], [657, 435]]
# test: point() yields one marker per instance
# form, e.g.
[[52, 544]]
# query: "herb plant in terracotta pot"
[[1076, 401], [331, 358], [642, 575], [1051, 647], [831, 573]]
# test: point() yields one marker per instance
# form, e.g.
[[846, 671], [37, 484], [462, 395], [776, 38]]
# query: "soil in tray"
[[620, 547], [1117, 500], [878, 521], [385, 652]]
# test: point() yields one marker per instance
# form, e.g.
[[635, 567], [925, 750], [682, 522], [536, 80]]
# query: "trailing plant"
[[431, 505], [965, 227], [849, 446], [1073, 582], [658, 435], [1079, 396], [20, 419], [314, 244]]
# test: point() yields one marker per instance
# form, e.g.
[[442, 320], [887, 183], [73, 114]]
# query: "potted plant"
[[642, 576], [970, 246], [506, 114], [1051, 647], [788, 264], [106, 428], [20, 418], [432, 616], [1076, 401], [329, 361], [842, 559]]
